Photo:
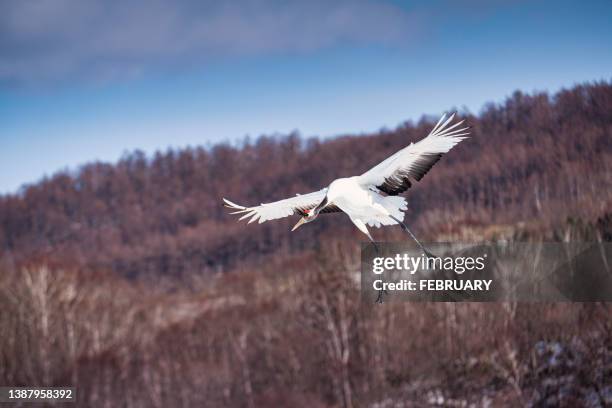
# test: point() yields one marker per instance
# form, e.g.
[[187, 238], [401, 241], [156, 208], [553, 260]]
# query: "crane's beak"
[[299, 223]]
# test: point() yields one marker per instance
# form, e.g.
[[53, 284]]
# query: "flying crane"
[[371, 199]]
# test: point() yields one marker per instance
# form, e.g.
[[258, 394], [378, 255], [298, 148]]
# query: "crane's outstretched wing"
[[299, 204], [396, 174]]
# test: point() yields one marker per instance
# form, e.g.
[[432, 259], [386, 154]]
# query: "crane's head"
[[310, 214]]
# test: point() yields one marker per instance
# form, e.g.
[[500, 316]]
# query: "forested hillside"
[[131, 283], [536, 158]]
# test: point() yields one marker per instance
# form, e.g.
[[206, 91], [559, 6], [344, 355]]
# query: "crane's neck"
[[319, 207]]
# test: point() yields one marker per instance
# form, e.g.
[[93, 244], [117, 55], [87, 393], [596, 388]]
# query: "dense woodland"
[[534, 158], [131, 281]]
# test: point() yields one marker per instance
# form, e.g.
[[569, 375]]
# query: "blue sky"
[[87, 80]]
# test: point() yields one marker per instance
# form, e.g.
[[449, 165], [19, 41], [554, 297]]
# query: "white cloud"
[[92, 39]]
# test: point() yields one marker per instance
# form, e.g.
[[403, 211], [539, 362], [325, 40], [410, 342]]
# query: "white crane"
[[372, 198]]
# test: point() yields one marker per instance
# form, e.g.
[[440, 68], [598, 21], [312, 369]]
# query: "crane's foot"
[[381, 293], [429, 254]]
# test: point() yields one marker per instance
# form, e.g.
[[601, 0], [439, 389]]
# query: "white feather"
[[440, 140], [278, 209]]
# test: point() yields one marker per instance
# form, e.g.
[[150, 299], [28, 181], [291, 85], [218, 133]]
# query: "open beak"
[[299, 224]]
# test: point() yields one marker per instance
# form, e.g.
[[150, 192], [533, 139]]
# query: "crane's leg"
[[405, 228], [381, 292], [363, 228], [374, 243]]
